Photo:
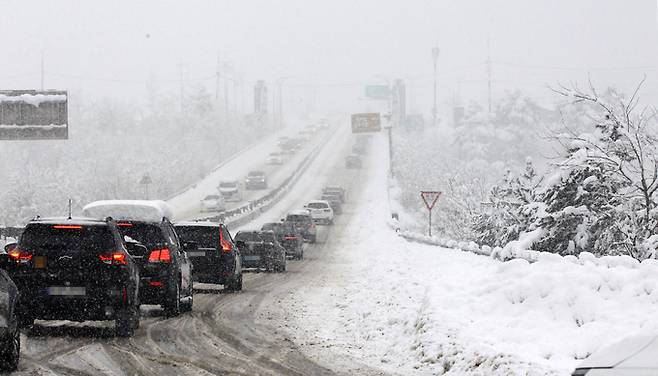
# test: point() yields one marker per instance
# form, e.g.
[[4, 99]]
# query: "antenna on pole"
[[489, 74], [42, 71], [70, 208]]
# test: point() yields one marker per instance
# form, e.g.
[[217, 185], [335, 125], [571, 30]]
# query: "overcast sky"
[[110, 48]]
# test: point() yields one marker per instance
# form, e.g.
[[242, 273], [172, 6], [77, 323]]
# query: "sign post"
[[430, 198], [366, 123]]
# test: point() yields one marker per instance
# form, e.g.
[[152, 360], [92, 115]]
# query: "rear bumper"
[[97, 304]]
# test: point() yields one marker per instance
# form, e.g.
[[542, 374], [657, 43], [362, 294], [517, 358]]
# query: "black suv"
[[217, 259], [75, 269], [261, 250], [165, 269]]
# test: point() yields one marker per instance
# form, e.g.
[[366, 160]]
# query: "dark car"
[[261, 250], [291, 239], [256, 180], [164, 267], [334, 191], [217, 259], [10, 336], [303, 223], [288, 236], [75, 269], [353, 161]]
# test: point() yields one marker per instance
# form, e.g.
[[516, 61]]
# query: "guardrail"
[[253, 209]]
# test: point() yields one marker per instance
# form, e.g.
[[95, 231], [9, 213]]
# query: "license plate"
[[66, 291], [196, 254], [40, 262], [252, 258]]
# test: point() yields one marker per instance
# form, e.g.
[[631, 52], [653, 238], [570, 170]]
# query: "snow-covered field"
[[409, 308]]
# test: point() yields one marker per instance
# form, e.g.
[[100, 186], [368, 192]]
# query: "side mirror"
[[10, 247], [190, 246]]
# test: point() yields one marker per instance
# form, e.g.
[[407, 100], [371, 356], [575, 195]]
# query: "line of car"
[[88, 268]]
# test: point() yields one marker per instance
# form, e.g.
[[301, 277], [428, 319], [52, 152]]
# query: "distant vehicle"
[[359, 148], [334, 201], [230, 190], [256, 180], [288, 237], [275, 158], [164, 267], [303, 223], [261, 250], [335, 190], [10, 336], [217, 258], [321, 211], [353, 161], [213, 203], [75, 269], [271, 226], [630, 357]]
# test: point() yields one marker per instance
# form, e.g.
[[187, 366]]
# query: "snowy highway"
[[239, 333]]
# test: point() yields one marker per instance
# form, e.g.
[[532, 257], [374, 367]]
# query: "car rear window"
[[212, 197], [228, 185], [63, 237], [317, 205], [248, 237], [205, 237], [298, 218], [148, 234], [268, 237], [256, 173]]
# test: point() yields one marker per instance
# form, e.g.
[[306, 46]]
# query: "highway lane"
[[233, 334]]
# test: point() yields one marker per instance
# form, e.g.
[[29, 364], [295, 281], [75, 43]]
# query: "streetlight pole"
[[435, 58]]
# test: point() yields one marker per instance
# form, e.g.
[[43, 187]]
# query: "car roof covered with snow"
[[85, 221], [300, 212], [631, 356], [136, 210], [197, 224]]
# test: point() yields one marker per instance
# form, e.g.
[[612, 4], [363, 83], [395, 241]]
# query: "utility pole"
[[489, 75], [217, 75], [280, 88], [182, 99], [42, 71], [226, 107], [435, 58]]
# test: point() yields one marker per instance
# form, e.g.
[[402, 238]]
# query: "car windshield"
[[228, 185], [212, 197], [317, 205], [256, 174]]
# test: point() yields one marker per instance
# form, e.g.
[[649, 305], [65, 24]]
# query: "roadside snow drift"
[[416, 309]]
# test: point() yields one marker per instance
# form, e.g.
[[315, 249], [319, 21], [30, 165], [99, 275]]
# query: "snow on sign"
[[33, 115], [366, 123]]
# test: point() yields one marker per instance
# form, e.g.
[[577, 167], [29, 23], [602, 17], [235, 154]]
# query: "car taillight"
[[114, 258], [289, 238], [227, 247], [19, 256], [160, 255]]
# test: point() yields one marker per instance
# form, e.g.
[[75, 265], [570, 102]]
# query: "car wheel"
[[189, 304], [127, 321], [172, 306], [313, 238], [236, 284], [25, 321], [11, 356]]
